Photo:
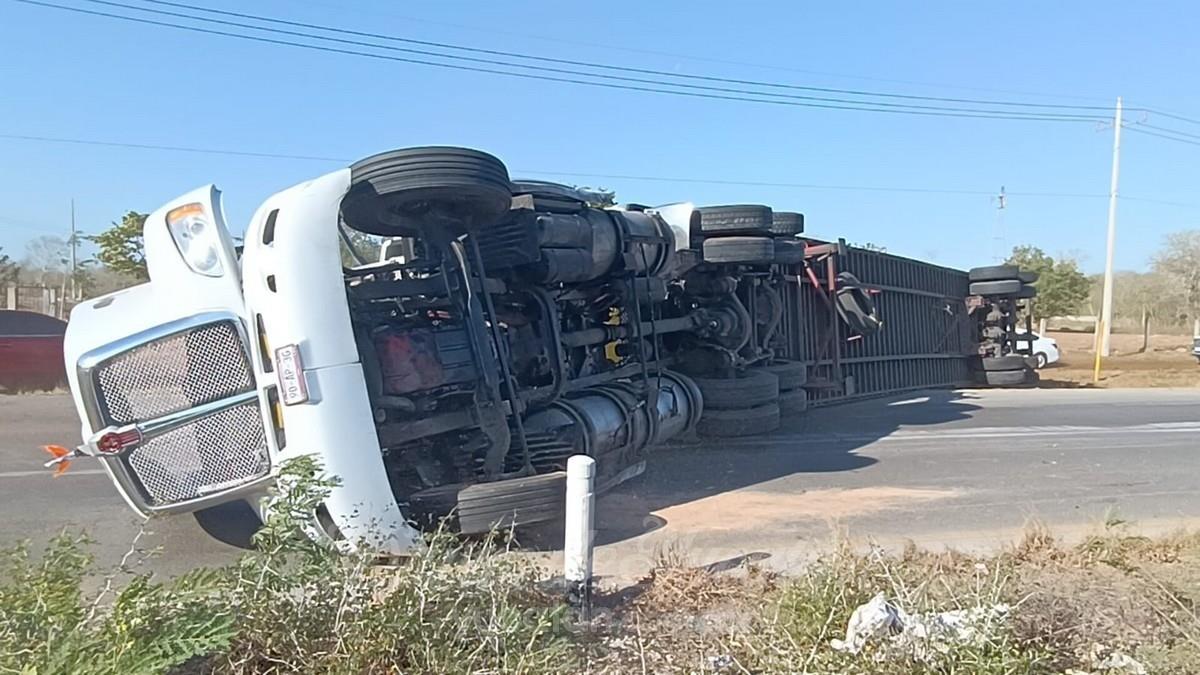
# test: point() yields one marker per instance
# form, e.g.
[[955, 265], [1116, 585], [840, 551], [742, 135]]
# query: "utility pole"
[[74, 241], [1105, 326], [998, 237]]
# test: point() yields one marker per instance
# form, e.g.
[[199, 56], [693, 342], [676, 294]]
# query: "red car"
[[31, 351]]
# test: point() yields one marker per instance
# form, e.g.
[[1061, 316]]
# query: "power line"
[[864, 107], [591, 64], [769, 66], [648, 71], [173, 148], [1160, 201], [583, 174], [1181, 118], [812, 186], [1170, 131], [565, 71], [901, 107], [695, 57], [1155, 133]]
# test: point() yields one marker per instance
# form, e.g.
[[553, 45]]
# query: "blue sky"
[[73, 76]]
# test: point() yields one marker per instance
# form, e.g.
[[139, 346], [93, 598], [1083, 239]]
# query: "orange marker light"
[[62, 458]]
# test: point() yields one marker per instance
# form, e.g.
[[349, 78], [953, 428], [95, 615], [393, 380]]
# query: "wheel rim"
[[1041, 361]]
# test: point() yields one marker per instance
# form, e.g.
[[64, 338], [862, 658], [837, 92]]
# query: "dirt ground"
[[1167, 363]]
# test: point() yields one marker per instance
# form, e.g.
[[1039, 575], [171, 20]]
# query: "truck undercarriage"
[[496, 346]]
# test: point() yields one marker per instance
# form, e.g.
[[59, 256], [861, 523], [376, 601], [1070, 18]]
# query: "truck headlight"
[[196, 238]]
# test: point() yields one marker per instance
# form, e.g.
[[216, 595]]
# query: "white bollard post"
[[1042, 327], [580, 519]]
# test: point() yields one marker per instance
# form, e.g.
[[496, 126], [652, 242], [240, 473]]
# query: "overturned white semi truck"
[[443, 338]]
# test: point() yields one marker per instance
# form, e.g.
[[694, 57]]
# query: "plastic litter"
[[876, 618], [922, 636]]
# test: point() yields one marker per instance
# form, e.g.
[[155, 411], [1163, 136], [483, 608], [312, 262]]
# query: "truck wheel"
[[736, 219], [747, 390], [399, 192], [480, 507], [760, 419], [1042, 360], [1004, 287], [1027, 277], [786, 223], [1027, 292], [994, 273], [791, 374], [1006, 378], [746, 250], [793, 402], [232, 523], [789, 252]]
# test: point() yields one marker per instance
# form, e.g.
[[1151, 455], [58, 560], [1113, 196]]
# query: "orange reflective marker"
[[62, 458]]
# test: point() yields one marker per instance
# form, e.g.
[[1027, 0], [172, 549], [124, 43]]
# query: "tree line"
[[119, 260], [1167, 295]]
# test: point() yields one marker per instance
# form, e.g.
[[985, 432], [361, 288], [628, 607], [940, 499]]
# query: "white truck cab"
[[184, 365]]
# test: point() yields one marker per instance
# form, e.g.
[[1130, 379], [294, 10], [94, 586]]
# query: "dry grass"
[[1167, 363], [1071, 607]]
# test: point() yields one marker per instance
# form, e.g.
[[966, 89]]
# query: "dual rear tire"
[[755, 402], [745, 405], [750, 234]]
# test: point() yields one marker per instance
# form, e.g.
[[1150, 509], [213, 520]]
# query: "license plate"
[[292, 388]]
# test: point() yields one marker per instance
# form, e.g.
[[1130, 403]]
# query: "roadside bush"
[[293, 605], [47, 626]]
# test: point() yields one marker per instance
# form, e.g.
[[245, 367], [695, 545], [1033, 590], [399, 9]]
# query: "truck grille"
[[192, 388], [177, 372], [219, 451]]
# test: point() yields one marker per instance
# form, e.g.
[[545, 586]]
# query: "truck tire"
[[401, 191], [786, 223], [481, 507], [736, 219], [762, 419], [746, 250], [789, 252], [1027, 292], [1006, 378], [747, 390], [994, 273], [793, 402], [1002, 287], [791, 374], [1027, 277]]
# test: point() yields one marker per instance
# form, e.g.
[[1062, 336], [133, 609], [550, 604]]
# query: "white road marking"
[[806, 438], [50, 472]]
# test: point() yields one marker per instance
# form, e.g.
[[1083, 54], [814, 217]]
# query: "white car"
[[1045, 350]]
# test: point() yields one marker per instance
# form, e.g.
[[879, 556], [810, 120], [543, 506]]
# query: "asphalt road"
[[962, 469]]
